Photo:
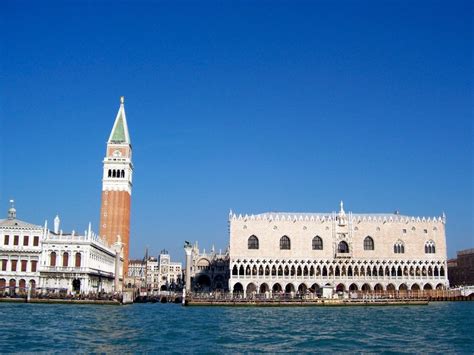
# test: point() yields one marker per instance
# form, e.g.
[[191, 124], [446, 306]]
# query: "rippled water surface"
[[439, 327]]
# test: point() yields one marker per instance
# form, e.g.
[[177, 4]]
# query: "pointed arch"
[[368, 243], [285, 243], [317, 243], [430, 247], [343, 247], [252, 242]]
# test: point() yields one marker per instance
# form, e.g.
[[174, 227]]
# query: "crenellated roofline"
[[329, 217]]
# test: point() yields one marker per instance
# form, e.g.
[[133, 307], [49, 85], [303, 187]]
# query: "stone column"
[[118, 248], [188, 250]]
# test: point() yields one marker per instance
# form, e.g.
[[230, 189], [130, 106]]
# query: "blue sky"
[[251, 106]]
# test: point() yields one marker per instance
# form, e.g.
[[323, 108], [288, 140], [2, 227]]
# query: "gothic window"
[[368, 243], [285, 243], [317, 243], [52, 259], [430, 247], [343, 247], [253, 242], [399, 247]]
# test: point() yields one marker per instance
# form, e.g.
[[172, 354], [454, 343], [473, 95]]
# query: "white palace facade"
[[304, 252], [42, 260]]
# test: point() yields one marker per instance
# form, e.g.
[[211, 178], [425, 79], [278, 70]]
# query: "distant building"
[[209, 271], [137, 274], [153, 275], [461, 269], [302, 252], [20, 254]]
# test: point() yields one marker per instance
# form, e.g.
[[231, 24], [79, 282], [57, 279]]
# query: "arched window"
[[52, 259], [399, 247], [430, 247], [65, 259], [253, 242], [110, 173], [368, 243], [317, 243], [78, 260], [123, 173], [343, 247], [285, 243]]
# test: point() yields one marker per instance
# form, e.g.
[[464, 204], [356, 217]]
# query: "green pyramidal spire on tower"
[[119, 132]]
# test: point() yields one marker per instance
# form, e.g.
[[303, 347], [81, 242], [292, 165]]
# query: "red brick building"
[[461, 269]]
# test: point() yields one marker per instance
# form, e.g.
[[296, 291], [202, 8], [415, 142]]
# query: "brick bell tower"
[[117, 186]]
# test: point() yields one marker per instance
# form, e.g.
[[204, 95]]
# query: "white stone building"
[[20, 253], [136, 274], [302, 252], [78, 263], [38, 259]]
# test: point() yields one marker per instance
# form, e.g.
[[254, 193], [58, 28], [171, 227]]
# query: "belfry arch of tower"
[[117, 185]]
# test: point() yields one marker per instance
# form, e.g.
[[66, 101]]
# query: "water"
[[439, 327]]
